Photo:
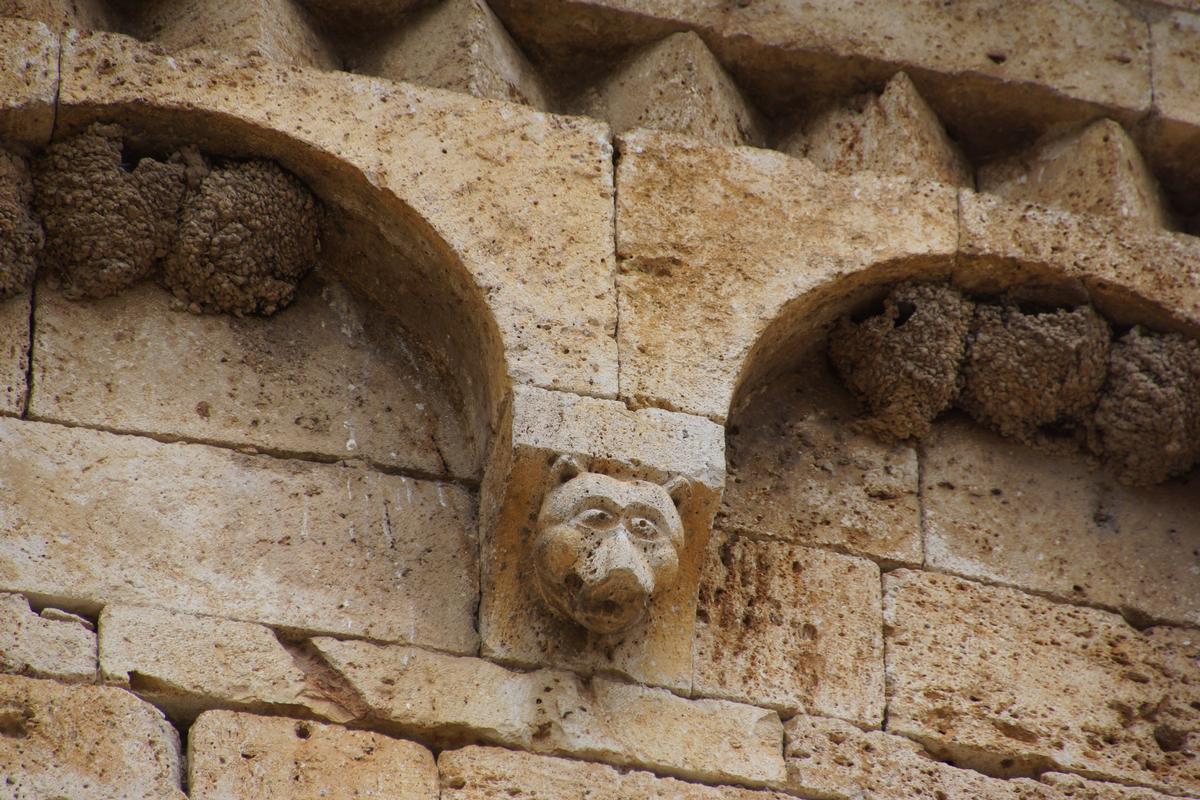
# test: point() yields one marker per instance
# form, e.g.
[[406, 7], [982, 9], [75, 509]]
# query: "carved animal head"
[[604, 546]]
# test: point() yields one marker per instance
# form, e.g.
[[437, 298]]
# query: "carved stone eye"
[[643, 528], [596, 518]]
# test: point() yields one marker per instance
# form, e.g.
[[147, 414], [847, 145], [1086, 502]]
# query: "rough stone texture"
[[329, 377], [894, 133], [458, 45], [106, 225], [1146, 425], [93, 518], [246, 238], [797, 471], [1002, 512], [1172, 134], [62, 14], [84, 741], [511, 235], [1034, 375], [466, 699], [717, 245], [1073, 787], [1132, 276], [233, 755], [359, 16], [1010, 684], [185, 664], [275, 29], [790, 627], [28, 81], [903, 364], [42, 646], [20, 233], [1096, 170], [607, 438], [675, 85], [14, 354], [483, 773]]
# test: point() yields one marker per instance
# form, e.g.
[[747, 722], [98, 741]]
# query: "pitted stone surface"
[[1096, 170], [20, 232], [791, 627], [1002, 512], [1011, 684], [61, 15], [327, 377], [893, 133], [275, 29], [1175, 37], [458, 45], [605, 437], [185, 664], [43, 646], [675, 85], [799, 472], [28, 81], [232, 755], [93, 518], [14, 353], [84, 741], [483, 773], [698, 292]]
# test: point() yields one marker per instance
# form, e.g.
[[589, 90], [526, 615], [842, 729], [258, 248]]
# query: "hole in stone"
[[904, 314], [303, 730], [1170, 740], [14, 724], [997, 58]]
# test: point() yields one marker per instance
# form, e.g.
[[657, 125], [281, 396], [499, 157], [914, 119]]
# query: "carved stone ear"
[[680, 489], [565, 468]]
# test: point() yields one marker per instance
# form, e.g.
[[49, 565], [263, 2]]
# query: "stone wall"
[[298, 555]]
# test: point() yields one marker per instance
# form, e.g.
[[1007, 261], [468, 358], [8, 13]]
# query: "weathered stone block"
[[61, 15], [326, 377], [458, 699], [94, 518], [28, 81], [240, 755], [798, 471], [278, 30], [482, 773], [186, 664], [790, 627], [84, 741], [1094, 170], [1011, 684], [48, 645], [14, 353], [1002, 512], [893, 133], [675, 85], [462, 46], [602, 436], [707, 306], [1132, 276], [1175, 39]]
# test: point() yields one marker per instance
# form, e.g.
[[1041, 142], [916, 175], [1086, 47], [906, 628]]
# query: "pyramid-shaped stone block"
[[1095, 170], [893, 133]]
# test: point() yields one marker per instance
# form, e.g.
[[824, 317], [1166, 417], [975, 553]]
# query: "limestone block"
[[43, 646], [232, 755], [790, 627], [1094, 170], [185, 664], [894, 133], [604, 437], [483, 773], [28, 81], [999, 511], [84, 741], [707, 305], [1074, 787], [61, 15], [454, 699], [1012, 684], [1176, 64], [1130, 275], [511, 237], [278, 30], [675, 85], [92, 518], [799, 472], [328, 377], [458, 45], [14, 353]]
